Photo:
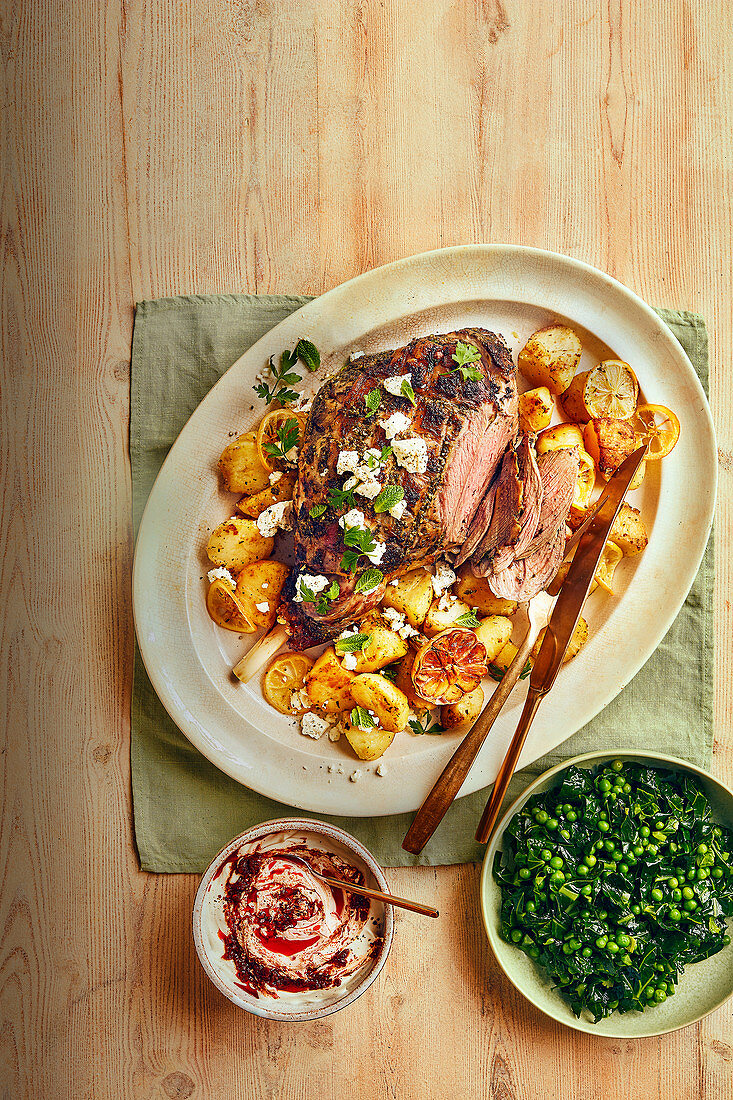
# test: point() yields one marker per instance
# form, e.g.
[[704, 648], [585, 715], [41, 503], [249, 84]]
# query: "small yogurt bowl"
[[208, 918]]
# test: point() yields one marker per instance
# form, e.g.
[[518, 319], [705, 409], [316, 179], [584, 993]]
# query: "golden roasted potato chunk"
[[465, 711], [550, 357], [240, 466], [283, 489], [629, 532], [609, 442], [572, 401], [535, 409], [368, 744], [494, 631], [403, 681], [438, 618], [559, 438], [578, 640], [411, 595], [328, 683], [505, 658], [476, 593], [258, 587], [237, 542], [384, 646], [383, 698]]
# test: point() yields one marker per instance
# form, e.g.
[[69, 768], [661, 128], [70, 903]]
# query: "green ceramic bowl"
[[703, 987]]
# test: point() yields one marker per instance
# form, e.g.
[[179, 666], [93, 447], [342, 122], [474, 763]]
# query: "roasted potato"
[[237, 542], [609, 442], [368, 744], [572, 401], [535, 409], [578, 640], [629, 532], [281, 490], [329, 684], [494, 631], [465, 711], [550, 358], [476, 593], [376, 693], [383, 647], [437, 620], [403, 681], [506, 656], [559, 438], [411, 596], [258, 584], [241, 468]]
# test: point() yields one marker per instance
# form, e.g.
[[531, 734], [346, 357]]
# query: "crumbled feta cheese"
[[355, 776], [395, 424], [275, 476], [395, 582], [303, 404], [398, 510], [445, 601], [265, 584], [299, 700], [277, 515], [350, 632], [315, 582], [264, 375], [411, 454], [379, 770], [408, 631], [393, 385], [377, 553], [222, 574], [324, 471], [263, 607], [370, 488], [352, 519], [346, 462], [443, 578], [349, 661], [356, 355], [395, 618], [312, 725]]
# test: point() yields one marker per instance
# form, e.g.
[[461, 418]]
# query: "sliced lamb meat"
[[524, 578], [479, 525], [516, 510], [441, 452]]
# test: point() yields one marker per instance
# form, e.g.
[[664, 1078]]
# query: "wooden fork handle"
[[450, 780], [508, 767]]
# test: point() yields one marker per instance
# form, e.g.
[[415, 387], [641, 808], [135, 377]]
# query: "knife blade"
[[580, 576]]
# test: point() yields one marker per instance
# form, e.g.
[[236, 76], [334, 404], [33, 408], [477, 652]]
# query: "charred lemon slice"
[[610, 558], [449, 666], [225, 609], [611, 390], [658, 427], [279, 431], [285, 675]]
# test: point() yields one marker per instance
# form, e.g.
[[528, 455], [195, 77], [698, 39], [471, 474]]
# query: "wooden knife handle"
[[449, 782], [506, 771]]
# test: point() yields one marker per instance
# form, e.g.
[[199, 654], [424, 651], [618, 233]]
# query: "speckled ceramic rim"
[[672, 763], [318, 828]]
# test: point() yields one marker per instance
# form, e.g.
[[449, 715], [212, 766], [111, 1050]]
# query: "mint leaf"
[[407, 391], [308, 354], [370, 579], [353, 644], [317, 511], [362, 719], [372, 401], [389, 496], [469, 619]]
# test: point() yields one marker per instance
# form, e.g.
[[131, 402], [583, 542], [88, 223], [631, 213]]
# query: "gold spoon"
[[355, 888]]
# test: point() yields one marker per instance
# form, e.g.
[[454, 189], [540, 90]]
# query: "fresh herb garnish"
[[465, 354], [317, 511], [364, 542], [389, 673], [372, 401], [407, 391], [287, 435], [340, 498], [362, 719], [283, 377], [350, 560], [322, 600], [469, 620], [308, 354], [613, 881], [389, 496], [386, 452], [353, 644], [429, 727], [369, 580], [497, 673]]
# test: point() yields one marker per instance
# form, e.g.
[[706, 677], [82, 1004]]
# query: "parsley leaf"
[[307, 595], [317, 511], [386, 452], [362, 719], [432, 728], [333, 590], [308, 354], [407, 391], [372, 401], [338, 498], [353, 644], [464, 354], [389, 673], [288, 436], [369, 580], [350, 560], [497, 673], [389, 496], [361, 537], [283, 377], [469, 619]]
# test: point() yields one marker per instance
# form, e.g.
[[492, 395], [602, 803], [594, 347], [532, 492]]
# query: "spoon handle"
[[352, 888]]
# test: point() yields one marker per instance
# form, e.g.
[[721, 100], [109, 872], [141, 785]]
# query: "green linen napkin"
[[185, 808]]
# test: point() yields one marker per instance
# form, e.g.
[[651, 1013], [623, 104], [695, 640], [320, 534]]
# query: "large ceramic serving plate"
[[512, 291]]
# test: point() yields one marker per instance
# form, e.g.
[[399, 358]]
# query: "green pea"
[[702, 849], [609, 845], [586, 890], [612, 795], [524, 872], [649, 993], [657, 895], [623, 940], [604, 785], [717, 872], [627, 788], [658, 824], [543, 817], [636, 910], [702, 872], [660, 995], [675, 915], [623, 868], [557, 862], [617, 765], [583, 869], [602, 914], [673, 882], [587, 952], [690, 905], [602, 815], [601, 942], [618, 781], [566, 808], [726, 940], [557, 878], [567, 949], [645, 830], [591, 860], [638, 850], [676, 895], [612, 947], [534, 952], [545, 854], [552, 824], [603, 826], [531, 907], [688, 893], [565, 834], [571, 815], [516, 935]]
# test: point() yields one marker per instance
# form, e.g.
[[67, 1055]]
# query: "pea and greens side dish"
[[613, 881]]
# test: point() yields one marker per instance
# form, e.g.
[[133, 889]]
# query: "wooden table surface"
[[158, 147]]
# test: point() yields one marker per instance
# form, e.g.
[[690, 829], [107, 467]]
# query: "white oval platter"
[[510, 290]]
